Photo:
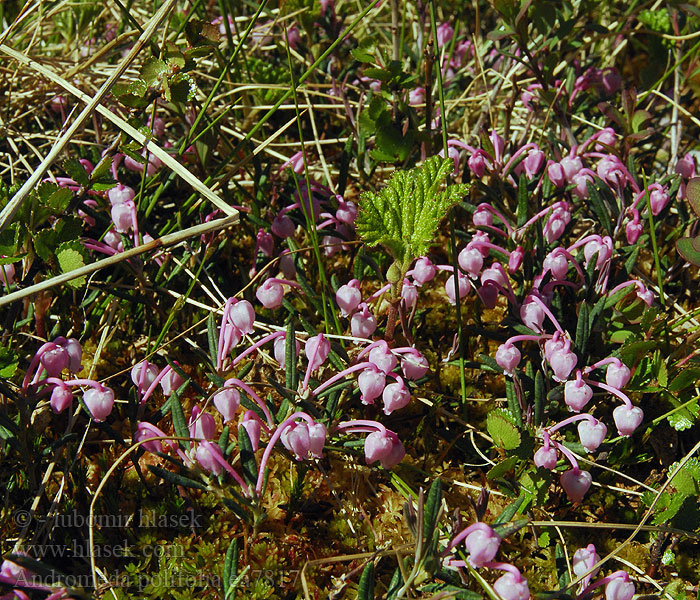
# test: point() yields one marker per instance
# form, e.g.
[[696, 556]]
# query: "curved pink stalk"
[[339, 376], [257, 345], [614, 391], [601, 363], [566, 452], [35, 362], [156, 381], [549, 314], [248, 390], [360, 425], [572, 419]]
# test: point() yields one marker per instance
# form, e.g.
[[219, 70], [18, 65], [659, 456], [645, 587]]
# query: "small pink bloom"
[[577, 396], [363, 323], [576, 483], [99, 403], [627, 419], [395, 396], [546, 458], [591, 434], [508, 357], [482, 547], [617, 376]]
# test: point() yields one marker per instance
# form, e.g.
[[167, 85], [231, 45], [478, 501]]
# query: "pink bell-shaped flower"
[[280, 350], [377, 446], [395, 455], [592, 434], [409, 294], [489, 295], [282, 226], [633, 231], [264, 242], [61, 398], [470, 261], [120, 194], [145, 370], [619, 588], [658, 198], [227, 402], [603, 250], [414, 365], [317, 439], [75, 354], [571, 166], [546, 458], [55, 360], [347, 211], [363, 323], [562, 364], [482, 547], [206, 456], [584, 559], [122, 216], [482, 217], [296, 439], [510, 587], [557, 263], [270, 294], [242, 314], [7, 274], [348, 297], [627, 419], [251, 424], [371, 383], [533, 162], [556, 174], [508, 357], [143, 432], [450, 287], [317, 349], [477, 164], [423, 271], [577, 394], [382, 357], [515, 260], [395, 396], [617, 375], [202, 425], [576, 483], [532, 314], [171, 382], [99, 402]]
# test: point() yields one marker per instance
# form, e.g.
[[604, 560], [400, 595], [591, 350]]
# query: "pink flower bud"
[[287, 266], [270, 294], [533, 162], [482, 547], [591, 434], [617, 375], [584, 559], [685, 166], [546, 458], [382, 357], [495, 275], [348, 297], [75, 354], [580, 181], [120, 194], [423, 271], [317, 349], [554, 228], [55, 360], [371, 384], [558, 264], [144, 432], [171, 382], [562, 364], [577, 396], [445, 32], [14, 574], [602, 249], [265, 243], [510, 587], [489, 295], [61, 398], [202, 425], [658, 198], [627, 419], [206, 457], [571, 166], [317, 439], [646, 295], [532, 314], [498, 145], [576, 483], [470, 261], [377, 447], [482, 216], [619, 589], [148, 371], [477, 164], [409, 295], [416, 96], [113, 240], [280, 350], [556, 174], [611, 81], [414, 365], [508, 357], [227, 402], [450, 287], [296, 439], [395, 396], [99, 403], [611, 170], [122, 216], [347, 211], [554, 345], [7, 274], [250, 423], [515, 260], [282, 226], [633, 230], [242, 314], [363, 323]]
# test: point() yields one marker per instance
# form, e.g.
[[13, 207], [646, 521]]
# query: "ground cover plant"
[[350, 300]]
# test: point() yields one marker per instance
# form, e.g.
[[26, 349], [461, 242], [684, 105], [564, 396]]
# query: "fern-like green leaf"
[[404, 216]]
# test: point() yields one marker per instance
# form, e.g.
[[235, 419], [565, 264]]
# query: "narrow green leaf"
[[176, 479], [290, 357], [230, 564], [540, 397], [248, 463], [212, 339], [582, 331], [365, 589], [432, 511], [178, 415]]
